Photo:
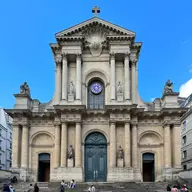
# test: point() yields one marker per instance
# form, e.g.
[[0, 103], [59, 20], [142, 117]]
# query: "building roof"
[[187, 101]]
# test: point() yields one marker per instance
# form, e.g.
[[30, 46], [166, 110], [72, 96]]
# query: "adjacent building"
[[96, 128], [5, 140], [186, 134]]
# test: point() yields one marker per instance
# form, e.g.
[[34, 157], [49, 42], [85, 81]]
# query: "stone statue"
[[120, 153], [24, 89], [71, 88], [70, 152], [168, 87], [119, 88]]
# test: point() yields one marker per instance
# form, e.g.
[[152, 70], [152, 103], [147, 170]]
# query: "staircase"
[[100, 187]]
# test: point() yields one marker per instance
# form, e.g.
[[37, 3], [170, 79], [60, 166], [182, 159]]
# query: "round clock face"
[[96, 88]]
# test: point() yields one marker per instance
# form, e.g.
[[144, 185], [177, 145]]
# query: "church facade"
[[96, 128]]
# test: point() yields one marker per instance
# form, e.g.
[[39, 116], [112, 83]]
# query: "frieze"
[[42, 122], [71, 117], [42, 146], [120, 117]]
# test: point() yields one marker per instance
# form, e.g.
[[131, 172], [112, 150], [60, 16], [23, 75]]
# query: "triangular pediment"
[[78, 29]]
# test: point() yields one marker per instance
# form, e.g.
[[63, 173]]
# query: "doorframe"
[[39, 161], [154, 167], [106, 144]]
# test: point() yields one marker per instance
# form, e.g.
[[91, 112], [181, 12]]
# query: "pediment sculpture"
[[95, 39], [168, 88], [24, 88]]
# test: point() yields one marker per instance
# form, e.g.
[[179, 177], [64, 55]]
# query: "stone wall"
[[4, 174]]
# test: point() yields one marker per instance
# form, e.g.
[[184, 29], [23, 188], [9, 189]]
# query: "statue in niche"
[[24, 89], [70, 154], [168, 88], [119, 88], [71, 88], [120, 154]]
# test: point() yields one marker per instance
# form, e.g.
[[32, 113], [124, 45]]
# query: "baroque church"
[[96, 128]]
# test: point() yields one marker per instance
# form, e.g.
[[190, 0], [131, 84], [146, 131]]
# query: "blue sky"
[[27, 28]]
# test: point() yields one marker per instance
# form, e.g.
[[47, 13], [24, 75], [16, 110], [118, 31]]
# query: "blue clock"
[[96, 88]]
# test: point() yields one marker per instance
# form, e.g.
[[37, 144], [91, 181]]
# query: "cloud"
[[186, 89]]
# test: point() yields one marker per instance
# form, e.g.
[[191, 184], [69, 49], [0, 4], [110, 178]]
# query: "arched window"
[[96, 95]]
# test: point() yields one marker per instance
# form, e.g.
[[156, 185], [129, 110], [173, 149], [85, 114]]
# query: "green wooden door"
[[95, 158]]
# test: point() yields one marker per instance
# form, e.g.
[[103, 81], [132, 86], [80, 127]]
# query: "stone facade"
[[92, 51]]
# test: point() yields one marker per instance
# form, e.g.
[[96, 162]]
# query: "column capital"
[[57, 123], [112, 56], [127, 122], [78, 56], [112, 122], [134, 62], [127, 55], [58, 59], [134, 123], [78, 122], [64, 56]]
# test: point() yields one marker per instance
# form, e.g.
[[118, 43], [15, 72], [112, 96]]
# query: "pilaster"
[[127, 155], [25, 146], [113, 78], [57, 145], [78, 145], [133, 80], [78, 77], [127, 77], [177, 145], [15, 145], [134, 146], [63, 144], [167, 146], [64, 77], [112, 144], [58, 60]]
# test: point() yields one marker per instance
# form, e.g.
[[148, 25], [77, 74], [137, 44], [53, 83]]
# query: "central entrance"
[[148, 167], [44, 167], [95, 158]]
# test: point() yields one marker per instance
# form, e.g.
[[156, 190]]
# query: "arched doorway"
[[148, 167], [95, 157], [96, 95], [43, 167]]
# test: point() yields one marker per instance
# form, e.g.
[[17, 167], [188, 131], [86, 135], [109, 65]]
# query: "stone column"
[[15, 146], [64, 77], [176, 146], [57, 145], [133, 80], [113, 144], [78, 77], [127, 155], [167, 146], [58, 59], [113, 79], [64, 145], [78, 145], [134, 146], [25, 146], [127, 77]]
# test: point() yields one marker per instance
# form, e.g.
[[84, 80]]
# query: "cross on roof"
[[96, 10]]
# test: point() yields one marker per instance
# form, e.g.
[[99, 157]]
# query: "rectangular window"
[[184, 125], [0, 132], [0, 144], [184, 167], [11, 136], [184, 139], [10, 145], [184, 154], [0, 157], [10, 154]]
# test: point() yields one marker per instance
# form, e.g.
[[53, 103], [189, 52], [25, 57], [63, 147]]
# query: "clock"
[[96, 88]]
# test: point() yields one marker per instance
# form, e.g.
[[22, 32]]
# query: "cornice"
[[18, 112], [69, 108], [172, 111]]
